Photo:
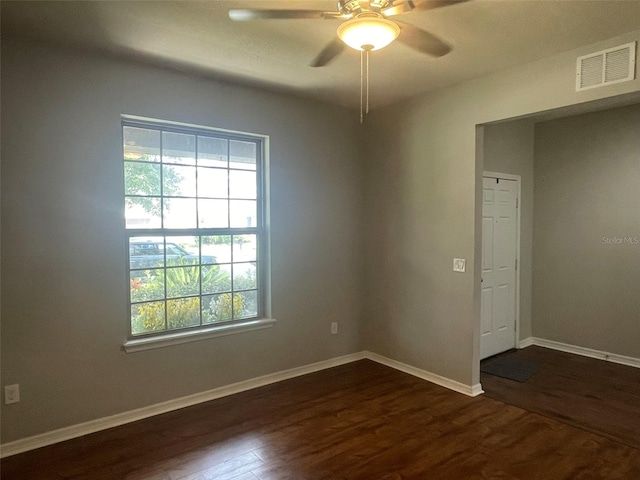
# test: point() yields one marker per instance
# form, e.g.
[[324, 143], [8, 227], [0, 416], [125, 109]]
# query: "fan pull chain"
[[364, 81], [366, 54], [361, 86]]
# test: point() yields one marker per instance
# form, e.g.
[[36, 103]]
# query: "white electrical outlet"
[[11, 394], [334, 328]]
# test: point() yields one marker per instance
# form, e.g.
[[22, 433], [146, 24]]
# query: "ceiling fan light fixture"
[[368, 32]]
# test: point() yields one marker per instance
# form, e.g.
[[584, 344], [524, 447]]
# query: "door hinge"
[[517, 202], [516, 264]]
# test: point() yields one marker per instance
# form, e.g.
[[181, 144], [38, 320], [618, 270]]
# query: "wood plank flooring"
[[357, 421], [595, 395]]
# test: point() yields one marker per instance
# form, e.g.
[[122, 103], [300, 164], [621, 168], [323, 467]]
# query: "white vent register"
[[614, 65]]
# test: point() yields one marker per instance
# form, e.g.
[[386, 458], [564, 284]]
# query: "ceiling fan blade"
[[403, 7], [242, 15], [423, 42], [431, 4], [409, 5], [328, 53]]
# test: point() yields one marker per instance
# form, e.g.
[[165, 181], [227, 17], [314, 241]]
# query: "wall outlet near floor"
[[11, 394], [334, 328]]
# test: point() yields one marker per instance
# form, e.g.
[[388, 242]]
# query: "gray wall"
[[586, 270], [63, 252], [508, 148], [422, 192], [63, 246]]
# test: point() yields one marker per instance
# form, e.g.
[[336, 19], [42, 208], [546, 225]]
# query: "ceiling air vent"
[[609, 66]]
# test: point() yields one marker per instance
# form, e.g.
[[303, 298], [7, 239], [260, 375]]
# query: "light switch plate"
[[11, 394], [459, 265]]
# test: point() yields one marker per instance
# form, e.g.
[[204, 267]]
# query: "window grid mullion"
[[199, 237], [166, 307], [232, 279], [164, 238], [185, 232], [229, 186], [229, 224]]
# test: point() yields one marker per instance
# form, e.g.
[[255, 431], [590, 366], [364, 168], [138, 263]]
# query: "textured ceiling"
[[487, 36]]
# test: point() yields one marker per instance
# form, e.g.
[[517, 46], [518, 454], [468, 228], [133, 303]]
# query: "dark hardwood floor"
[[594, 395], [357, 421]]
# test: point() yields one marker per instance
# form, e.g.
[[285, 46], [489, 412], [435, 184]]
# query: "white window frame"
[[163, 338]]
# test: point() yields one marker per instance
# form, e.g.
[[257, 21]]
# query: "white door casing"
[[499, 259]]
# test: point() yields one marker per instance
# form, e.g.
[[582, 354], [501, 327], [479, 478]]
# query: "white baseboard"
[[471, 391], [585, 352], [92, 426], [527, 342]]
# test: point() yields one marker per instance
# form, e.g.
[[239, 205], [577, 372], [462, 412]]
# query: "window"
[[194, 215]]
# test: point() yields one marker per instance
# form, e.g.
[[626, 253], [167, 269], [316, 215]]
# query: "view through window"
[[193, 212]]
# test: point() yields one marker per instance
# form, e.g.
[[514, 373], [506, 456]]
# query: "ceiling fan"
[[366, 21], [366, 28]]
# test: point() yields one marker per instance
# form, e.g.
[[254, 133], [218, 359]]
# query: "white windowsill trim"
[[176, 338]]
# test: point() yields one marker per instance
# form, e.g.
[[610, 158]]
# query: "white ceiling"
[[487, 36]]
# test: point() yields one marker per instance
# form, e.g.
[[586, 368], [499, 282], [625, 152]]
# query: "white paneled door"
[[499, 250]]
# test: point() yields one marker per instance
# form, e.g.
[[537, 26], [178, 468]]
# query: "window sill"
[[148, 343]]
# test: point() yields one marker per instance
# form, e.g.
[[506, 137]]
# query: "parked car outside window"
[[151, 254]]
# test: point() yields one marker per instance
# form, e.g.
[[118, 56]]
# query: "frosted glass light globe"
[[368, 32]]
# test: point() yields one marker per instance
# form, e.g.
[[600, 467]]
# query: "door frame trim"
[[518, 180]]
